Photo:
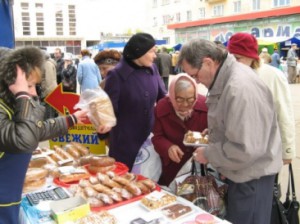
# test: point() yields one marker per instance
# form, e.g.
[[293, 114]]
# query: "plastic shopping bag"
[[99, 107], [147, 162]]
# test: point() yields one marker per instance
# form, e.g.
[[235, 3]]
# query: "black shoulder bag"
[[291, 204], [287, 212]]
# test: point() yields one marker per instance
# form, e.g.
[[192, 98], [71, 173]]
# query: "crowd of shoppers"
[[250, 135]]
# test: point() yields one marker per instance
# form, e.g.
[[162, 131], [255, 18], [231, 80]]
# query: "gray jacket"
[[291, 59], [244, 137]]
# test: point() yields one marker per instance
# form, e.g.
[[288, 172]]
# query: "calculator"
[[54, 194]]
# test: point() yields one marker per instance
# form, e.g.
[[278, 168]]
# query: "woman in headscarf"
[[183, 109]]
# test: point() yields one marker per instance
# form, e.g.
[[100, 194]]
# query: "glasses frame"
[[181, 100]]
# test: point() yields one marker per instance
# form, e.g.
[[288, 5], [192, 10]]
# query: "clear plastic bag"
[[99, 107]]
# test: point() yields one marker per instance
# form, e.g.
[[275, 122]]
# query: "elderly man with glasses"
[[244, 140]]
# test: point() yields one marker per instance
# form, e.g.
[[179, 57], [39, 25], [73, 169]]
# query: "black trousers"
[[250, 202]]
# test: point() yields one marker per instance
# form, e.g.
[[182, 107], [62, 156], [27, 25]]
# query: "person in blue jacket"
[[134, 86], [22, 124]]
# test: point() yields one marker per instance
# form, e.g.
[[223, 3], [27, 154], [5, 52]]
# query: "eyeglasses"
[[181, 100], [194, 76]]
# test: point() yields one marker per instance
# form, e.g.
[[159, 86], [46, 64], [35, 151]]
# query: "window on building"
[[237, 6], [218, 10], [154, 3], [165, 2], [166, 19], [24, 6], [256, 5], [154, 21], [72, 20], [202, 13], [188, 15], [59, 20], [40, 23], [177, 15], [278, 3], [39, 6], [26, 23]]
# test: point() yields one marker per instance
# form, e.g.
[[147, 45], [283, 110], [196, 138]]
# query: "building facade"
[[181, 20], [70, 24]]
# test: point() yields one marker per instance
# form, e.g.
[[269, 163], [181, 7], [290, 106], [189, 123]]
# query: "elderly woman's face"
[[185, 99], [104, 68], [147, 59]]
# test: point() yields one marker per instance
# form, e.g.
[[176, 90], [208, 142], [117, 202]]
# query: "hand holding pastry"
[[81, 116], [102, 129]]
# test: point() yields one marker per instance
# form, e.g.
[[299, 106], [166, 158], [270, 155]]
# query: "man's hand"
[[199, 155], [287, 161]]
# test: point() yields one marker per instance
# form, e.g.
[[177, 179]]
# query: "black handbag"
[[278, 215], [291, 204], [287, 212]]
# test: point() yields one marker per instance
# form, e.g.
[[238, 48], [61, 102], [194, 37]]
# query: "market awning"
[[271, 40], [7, 37]]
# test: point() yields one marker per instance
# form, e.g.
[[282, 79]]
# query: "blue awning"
[[7, 37]]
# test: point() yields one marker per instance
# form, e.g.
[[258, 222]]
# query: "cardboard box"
[[69, 209]]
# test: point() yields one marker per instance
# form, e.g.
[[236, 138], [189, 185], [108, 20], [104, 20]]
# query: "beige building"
[[71, 24], [180, 20]]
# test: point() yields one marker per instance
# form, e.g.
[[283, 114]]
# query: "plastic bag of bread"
[[99, 107]]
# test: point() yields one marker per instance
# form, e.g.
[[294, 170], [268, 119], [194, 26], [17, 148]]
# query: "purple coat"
[[133, 91]]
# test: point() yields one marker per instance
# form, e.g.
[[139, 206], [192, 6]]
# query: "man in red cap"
[[277, 83]]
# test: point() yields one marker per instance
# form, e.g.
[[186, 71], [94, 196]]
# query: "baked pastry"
[[35, 179], [102, 112], [195, 137], [176, 211], [102, 217], [157, 200]]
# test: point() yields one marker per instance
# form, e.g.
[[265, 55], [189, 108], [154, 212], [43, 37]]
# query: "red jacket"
[[169, 130]]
